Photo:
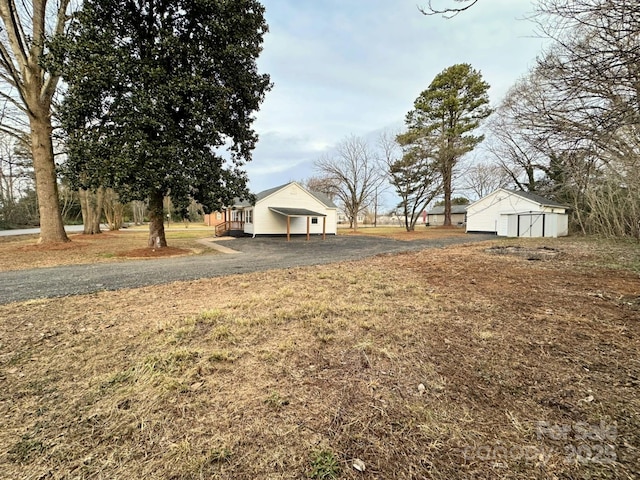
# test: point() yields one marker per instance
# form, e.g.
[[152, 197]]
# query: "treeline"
[[570, 129], [158, 101], [93, 208]]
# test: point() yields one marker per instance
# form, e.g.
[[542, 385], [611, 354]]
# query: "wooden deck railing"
[[224, 228]]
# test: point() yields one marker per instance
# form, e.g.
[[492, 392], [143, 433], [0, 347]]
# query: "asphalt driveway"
[[253, 254]]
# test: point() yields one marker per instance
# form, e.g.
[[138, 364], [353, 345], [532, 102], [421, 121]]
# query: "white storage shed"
[[512, 213]]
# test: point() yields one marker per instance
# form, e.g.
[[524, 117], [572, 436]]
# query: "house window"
[[249, 216], [314, 220], [218, 216]]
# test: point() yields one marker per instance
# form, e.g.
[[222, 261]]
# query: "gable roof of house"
[[259, 196], [321, 197], [532, 197], [545, 202], [454, 209], [269, 191]]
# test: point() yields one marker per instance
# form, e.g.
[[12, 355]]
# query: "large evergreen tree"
[[445, 115], [161, 99]]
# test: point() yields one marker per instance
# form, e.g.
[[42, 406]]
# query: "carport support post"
[[288, 228], [324, 228], [308, 226]]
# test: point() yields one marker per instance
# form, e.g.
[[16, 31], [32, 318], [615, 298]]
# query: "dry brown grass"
[[437, 364], [18, 253], [400, 233], [22, 252]]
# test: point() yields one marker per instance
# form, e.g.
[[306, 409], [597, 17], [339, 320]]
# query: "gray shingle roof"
[[321, 197], [296, 212], [545, 202], [454, 209], [269, 191]]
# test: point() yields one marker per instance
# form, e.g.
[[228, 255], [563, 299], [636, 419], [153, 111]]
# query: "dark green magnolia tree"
[[445, 116], [160, 100]]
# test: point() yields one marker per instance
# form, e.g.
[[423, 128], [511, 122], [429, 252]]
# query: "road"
[[254, 254], [36, 231]]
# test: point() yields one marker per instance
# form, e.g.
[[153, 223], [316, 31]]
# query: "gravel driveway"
[[254, 254]]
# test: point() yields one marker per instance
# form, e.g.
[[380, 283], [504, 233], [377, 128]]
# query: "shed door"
[[531, 225]]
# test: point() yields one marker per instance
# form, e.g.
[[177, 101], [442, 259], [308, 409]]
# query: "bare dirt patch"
[[528, 252], [452, 363], [155, 252], [400, 233]]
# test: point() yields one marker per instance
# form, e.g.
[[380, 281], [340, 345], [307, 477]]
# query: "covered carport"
[[297, 213]]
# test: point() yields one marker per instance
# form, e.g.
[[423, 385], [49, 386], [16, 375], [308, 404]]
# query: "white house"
[[435, 216], [342, 217], [288, 209], [511, 213]]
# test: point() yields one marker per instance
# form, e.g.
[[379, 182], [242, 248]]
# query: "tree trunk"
[[447, 173], [407, 223], [113, 210], [157, 238], [138, 208], [51, 225], [354, 211], [91, 206]]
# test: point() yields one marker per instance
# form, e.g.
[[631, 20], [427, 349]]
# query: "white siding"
[[484, 215], [507, 226], [249, 226], [562, 225], [266, 222], [537, 224], [508, 214]]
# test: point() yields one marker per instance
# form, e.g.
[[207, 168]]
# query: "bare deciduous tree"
[[355, 170], [16, 178], [570, 129], [517, 142], [483, 178], [593, 72], [113, 210], [323, 185], [138, 207], [26, 30]]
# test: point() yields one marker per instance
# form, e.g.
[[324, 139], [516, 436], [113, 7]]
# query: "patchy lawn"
[[511, 359], [400, 233], [21, 252]]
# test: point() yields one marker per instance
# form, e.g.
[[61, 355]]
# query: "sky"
[[355, 67]]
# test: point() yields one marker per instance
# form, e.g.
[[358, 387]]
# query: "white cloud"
[[353, 67]]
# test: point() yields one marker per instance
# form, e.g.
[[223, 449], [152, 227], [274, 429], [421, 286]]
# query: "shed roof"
[[545, 202], [296, 212]]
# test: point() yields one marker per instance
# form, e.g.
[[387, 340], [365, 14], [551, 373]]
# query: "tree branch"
[[447, 12]]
